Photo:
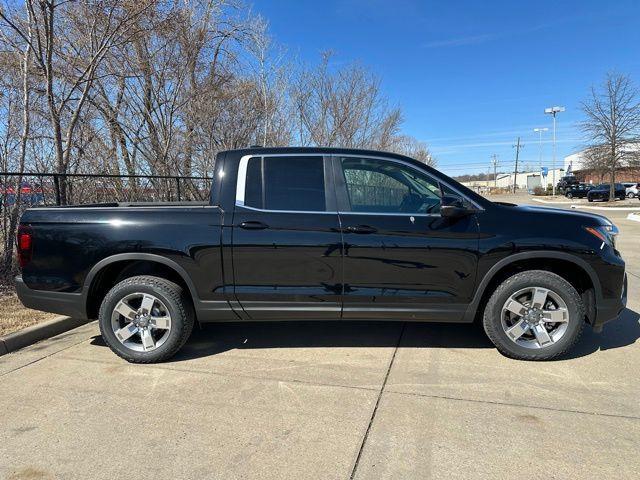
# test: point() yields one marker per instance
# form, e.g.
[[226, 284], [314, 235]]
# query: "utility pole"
[[553, 111], [515, 172], [495, 170], [488, 177]]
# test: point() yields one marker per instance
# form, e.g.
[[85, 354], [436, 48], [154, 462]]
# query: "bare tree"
[[612, 125], [69, 41], [269, 72], [413, 148], [343, 107], [596, 159]]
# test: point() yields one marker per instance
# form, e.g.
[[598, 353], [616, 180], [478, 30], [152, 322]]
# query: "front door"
[[402, 259], [286, 239]]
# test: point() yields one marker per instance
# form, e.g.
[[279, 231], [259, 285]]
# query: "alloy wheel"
[[141, 322], [535, 317]]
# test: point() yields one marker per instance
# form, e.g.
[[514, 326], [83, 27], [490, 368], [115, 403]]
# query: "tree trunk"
[[15, 210], [612, 185]]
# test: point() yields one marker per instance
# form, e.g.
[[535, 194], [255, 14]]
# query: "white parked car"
[[632, 189]]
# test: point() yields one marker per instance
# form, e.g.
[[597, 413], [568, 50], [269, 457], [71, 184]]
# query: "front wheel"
[[569, 195], [630, 195], [146, 319], [534, 315]]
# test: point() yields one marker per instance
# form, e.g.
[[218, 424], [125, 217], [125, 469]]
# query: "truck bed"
[[134, 204]]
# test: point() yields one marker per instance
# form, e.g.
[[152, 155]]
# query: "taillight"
[[24, 245]]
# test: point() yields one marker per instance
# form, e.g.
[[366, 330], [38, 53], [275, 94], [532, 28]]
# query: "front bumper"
[[69, 304], [610, 309]]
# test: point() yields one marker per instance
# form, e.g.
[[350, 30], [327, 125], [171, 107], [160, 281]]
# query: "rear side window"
[[286, 183]]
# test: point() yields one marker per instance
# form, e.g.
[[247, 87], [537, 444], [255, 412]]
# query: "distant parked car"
[[578, 191], [632, 189], [29, 195], [601, 192]]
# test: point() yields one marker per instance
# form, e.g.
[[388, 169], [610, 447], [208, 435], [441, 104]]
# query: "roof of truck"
[[324, 150]]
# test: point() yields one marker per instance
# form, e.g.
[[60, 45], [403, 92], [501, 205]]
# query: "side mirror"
[[452, 206]]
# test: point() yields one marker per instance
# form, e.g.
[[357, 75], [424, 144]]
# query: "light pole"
[[553, 111], [539, 132]]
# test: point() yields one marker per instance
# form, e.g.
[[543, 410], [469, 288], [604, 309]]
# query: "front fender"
[[470, 313]]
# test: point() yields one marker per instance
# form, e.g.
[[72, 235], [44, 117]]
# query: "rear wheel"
[[569, 195], [630, 195], [145, 319], [534, 315]]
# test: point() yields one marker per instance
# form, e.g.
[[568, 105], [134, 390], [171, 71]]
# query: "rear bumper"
[[610, 309], [70, 304]]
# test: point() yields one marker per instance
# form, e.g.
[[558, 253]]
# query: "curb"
[[606, 209], [551, 201], [634, 217], [30, 335]]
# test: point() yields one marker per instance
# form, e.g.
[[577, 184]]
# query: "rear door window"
[[293, 183]]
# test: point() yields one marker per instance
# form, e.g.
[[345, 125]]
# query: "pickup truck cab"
[[323, 234]]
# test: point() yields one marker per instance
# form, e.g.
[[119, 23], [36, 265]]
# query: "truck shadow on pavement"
[[618, 333], [212, 339]]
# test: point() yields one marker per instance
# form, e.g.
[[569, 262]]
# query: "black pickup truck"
[[323, 234]]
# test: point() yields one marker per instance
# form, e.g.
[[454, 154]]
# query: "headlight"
[[604, 233]]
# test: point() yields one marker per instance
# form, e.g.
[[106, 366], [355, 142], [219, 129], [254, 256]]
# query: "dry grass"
[[14, 317]]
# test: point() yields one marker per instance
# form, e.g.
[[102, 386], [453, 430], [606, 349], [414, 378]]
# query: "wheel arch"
[[583, 278], [112, 269]]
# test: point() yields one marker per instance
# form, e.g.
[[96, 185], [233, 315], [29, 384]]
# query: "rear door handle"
[[361, 229], [254, 225]]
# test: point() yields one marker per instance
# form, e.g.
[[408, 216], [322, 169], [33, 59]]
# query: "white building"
[[574, 162], [524, 180]]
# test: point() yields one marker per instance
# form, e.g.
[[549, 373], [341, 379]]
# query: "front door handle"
[[361, 229], [254, 225]]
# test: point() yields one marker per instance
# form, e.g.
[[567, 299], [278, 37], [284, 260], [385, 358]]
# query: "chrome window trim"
[[323, 212], [242, 177], [387, 214]]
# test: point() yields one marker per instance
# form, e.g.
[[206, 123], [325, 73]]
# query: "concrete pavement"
[[327, 400]]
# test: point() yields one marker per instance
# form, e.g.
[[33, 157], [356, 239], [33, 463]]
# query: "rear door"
[[402, 260], [286, 238]]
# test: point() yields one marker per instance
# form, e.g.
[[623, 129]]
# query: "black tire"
[[569, 195], [589, 199], [492, 321], [177, 303]]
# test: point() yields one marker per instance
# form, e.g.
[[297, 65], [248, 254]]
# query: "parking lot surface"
[[334, 400]]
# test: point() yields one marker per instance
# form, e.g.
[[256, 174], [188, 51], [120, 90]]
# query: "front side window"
[[381, 186], [286, 183]]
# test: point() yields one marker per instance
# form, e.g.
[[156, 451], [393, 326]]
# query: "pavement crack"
[[43, 358], [375, 408], [518, 405]]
